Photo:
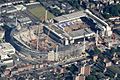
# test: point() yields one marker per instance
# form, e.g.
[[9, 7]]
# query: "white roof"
[[6, 46], [71, 16], [81, 33], [2, 32]]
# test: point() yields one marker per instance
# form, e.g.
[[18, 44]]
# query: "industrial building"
[[67, 29]]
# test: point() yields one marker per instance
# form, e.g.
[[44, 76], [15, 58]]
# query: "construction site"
[[68, 30], [65, 36], [35, 39]]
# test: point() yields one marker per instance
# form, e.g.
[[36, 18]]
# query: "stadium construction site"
[[63, 32]]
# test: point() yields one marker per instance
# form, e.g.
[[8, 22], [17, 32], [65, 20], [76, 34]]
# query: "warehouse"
[[69, 28]]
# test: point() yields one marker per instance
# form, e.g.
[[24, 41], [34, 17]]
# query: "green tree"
[[91, 77], [2, 69], [111, 10], [73, 68], [97, 51]]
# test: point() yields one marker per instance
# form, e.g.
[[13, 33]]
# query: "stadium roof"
[[81, 33], [71, 16]]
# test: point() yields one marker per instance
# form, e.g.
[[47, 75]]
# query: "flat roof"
[[2, 32], [71, 26], [80, 32], [8, 8], [56, 29], [71, 16], [6, 46], [1, 29], [59, 31], [73, 34]]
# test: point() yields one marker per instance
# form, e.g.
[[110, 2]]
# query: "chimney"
[[97, 39]]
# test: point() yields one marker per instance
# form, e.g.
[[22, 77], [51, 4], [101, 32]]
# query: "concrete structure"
[[52, 56], [106, 28], [69, 28]]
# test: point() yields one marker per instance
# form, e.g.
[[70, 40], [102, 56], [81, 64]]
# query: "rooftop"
[[1, 32], [6, 46], [81, 32], [72, 26], [71, 16]]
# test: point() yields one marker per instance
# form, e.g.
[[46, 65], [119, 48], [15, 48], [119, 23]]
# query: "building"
[[101, 24], [3, 3], [32, 1], [108, 63], [95, 57], [52, 56], [2, 33], [85, 70], [9, 62], [67, 29], [7, 48], [20, 7], [80, 77]]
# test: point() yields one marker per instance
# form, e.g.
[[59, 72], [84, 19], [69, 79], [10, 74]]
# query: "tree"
[[111, 10], [106, 15], [2, 69], [74, 3], [96, 50], [113, 50], [73, 68], [91, 77]]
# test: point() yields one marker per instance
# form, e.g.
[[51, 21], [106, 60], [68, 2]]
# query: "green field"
[[39, 12]]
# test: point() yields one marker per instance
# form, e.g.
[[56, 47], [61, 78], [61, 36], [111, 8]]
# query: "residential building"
[[85, 70]]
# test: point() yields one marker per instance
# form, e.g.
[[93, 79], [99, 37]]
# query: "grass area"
[[39, 12]]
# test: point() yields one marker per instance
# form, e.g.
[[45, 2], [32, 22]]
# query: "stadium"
[[68, 29]]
